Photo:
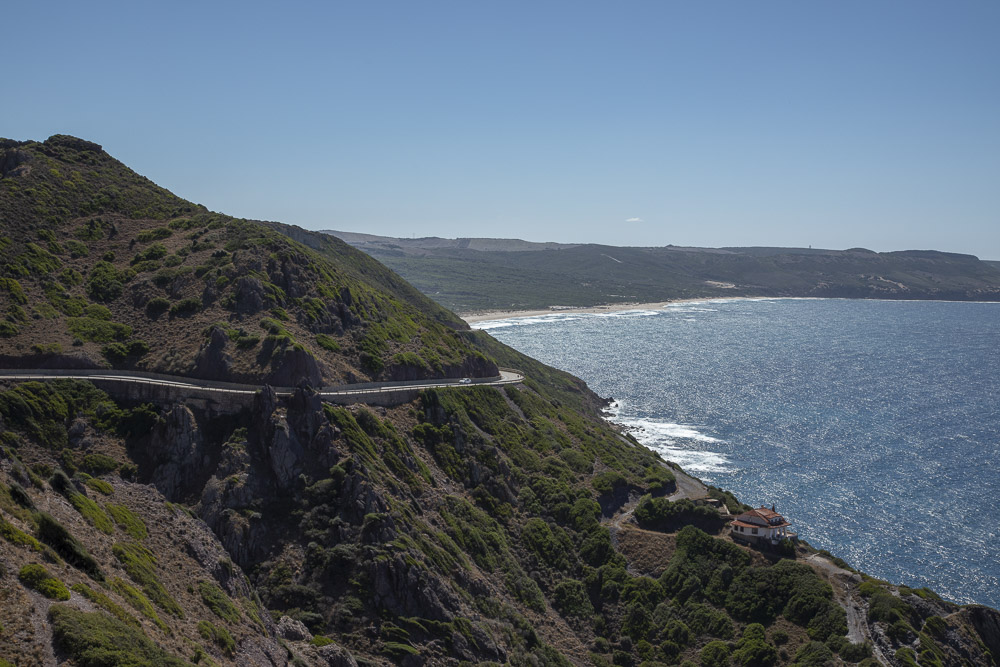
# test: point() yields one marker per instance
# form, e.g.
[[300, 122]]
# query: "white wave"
[[523, 321], [693, 461], [667, 431], [626, 314], [675, 442]]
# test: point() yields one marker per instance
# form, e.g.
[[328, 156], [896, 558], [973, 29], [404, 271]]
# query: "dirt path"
[[844, 583], [687, 487]]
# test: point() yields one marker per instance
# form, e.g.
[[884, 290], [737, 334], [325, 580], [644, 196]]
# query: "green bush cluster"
[[139, 602], [18, 537], [97, 331], [106, 603], [93, 638], [662, 514], [219, 636], [185, 307], [140, 564], [128, 520], [216, 600], [106, 283], [122, 353], [157, 306], [54, 534], [157, 234], [36, 577]]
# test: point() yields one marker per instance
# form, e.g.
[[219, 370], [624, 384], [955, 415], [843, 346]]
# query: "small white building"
[[763, 526]]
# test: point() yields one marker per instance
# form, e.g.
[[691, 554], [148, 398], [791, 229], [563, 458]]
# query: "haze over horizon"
[[647, 124]]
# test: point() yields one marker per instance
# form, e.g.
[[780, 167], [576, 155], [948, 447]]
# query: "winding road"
[[232, 389]]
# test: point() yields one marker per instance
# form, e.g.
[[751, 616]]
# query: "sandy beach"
[[472, 318]]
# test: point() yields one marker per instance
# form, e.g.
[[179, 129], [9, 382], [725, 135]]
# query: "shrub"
[[16, 536], [119, 353], [38, 578], [935, 626], [814, 654], [8, 330], [753, 650], [855, 652], [157, 234], [70, 277], [97, 331], [219, 636], [100, 486], [157, 306], [327, 343], [94, 639], [77, 249], [140, 564], [103, 601], [659, 480], [52, 533], [99, 464], [152, 253], [92, 512], [551, 545], [570, 598], [662, 514], [106, 283], [185, 307], [129, 522], [97, 312], [138, 602], [218, 602], [606, 482], [13, 288], [92, 230], [715, 654]]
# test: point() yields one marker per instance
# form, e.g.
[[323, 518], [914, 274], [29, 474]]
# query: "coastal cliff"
[[472, 525]]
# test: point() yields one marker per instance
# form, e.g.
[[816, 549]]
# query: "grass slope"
[[103, 268]]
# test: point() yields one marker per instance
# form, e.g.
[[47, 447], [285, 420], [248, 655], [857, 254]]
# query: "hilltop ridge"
[[470, 275]]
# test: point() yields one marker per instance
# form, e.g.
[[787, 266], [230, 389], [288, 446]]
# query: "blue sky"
[[837, 124]]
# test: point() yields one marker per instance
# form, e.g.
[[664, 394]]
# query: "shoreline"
[[490, 315]]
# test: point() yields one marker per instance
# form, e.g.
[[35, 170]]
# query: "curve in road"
[[506, 376]]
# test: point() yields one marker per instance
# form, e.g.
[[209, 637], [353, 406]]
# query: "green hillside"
[[103, 268], [475, 525], [469, 275]]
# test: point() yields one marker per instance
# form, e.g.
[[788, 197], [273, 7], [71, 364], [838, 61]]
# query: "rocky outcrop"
[[335, 655], [406, 590], [176, 460], [249, 296], [291, 365], [986, 622], [293, 630], [72, 143], [13, 162], [213, 362]]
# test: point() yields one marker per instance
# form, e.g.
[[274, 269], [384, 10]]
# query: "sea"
[[872, 426]]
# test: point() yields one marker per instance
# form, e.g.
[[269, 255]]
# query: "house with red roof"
[[761, 526]]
